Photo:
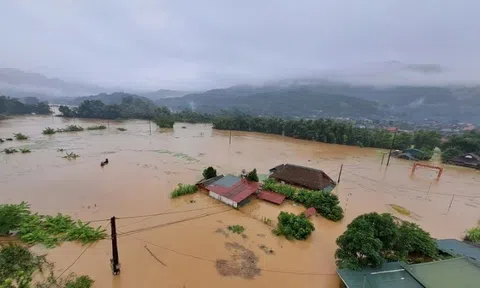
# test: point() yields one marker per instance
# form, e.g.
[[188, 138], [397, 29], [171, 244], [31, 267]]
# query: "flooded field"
[[189, 245]]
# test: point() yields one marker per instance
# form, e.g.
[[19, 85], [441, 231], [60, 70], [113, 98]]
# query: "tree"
[[293, 226], [209, 172], [450, 153], [252, 175], [426, 140], [372, 238], [403, 140]]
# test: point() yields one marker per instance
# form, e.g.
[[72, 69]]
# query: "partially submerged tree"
[[252, 175], [372, 238], [293, 226], [209, 172]]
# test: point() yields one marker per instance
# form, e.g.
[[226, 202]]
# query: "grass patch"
[[122, 129], [10, 150], [25, 150], [97, 127], [238, 229], [20, 136], [183, 189], [473, 235], [47, 230], [70, 128], [401, 210], [48, 131]]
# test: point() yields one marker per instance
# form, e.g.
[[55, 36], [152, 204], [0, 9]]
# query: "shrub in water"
[[209, 172], [98, 127], [293, 226], [20, 136], [183, 189], [10, 150], [49, 131], [473, 235], [236, 229], [70, 128], [121, 129]]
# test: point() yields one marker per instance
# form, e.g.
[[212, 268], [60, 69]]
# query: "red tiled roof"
[[237, 192], [271, 197], [309, 212]]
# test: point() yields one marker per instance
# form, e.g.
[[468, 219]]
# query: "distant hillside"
[[293, 101], [17, 83], [107, 99], [164, 93]]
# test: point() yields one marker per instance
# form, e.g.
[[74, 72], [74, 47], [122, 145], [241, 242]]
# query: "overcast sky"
[[209, 43]]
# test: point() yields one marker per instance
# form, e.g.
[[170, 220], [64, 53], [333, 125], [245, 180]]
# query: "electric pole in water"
[[391, 146], [114, 261]]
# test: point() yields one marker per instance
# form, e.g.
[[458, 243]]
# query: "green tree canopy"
[[252, 175], [209, 172]]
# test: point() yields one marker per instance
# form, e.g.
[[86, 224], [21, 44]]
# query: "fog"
[[215, 43]]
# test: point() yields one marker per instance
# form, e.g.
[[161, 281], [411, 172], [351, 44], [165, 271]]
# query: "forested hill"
[[107, 99], [294, 101]]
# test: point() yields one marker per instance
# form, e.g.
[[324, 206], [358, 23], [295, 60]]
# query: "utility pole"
[[391, 146], [340, 174], [230, 140], [114, 261], [150, 123], [450, 206]]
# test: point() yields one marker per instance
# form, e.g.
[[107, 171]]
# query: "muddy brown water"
[[144, 167]]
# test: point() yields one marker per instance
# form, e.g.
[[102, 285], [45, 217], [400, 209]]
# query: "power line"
[[214, 261]]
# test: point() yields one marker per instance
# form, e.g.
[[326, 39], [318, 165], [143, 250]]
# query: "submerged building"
[[306, 177], [232, 190]]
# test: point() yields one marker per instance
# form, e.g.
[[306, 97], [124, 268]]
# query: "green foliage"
[[403, 140], [70, 128], [97, 127], [121, 129], [209, 172], [236, 229], [473, 235], [450, 153], [49, 131], [25, 150], [267, 221], [11, 106], [20, 136], [19, 266], [10, 150], [163, 121], [426, 140], [372, 238], [252, 176], [293, 226], [326, 203], [12, 216], [183, 189], [48, 230]]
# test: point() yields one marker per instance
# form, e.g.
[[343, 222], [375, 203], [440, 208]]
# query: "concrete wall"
[[223, 199]]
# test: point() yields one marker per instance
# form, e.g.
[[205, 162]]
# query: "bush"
[[473, 235], [25, 150], [70, 128], [70, 156], [97, 127], [209, 172], [48, 230], [164, 122], [372, 238], [236, 229], [49, 131], [293, 226], [20, 136], [121, 129], [10, 150], [252, 176], [183, 189], [271, 184], [450, 153]]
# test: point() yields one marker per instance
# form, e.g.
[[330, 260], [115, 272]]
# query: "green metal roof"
[[459, 249], [390, 275], [457, 272]]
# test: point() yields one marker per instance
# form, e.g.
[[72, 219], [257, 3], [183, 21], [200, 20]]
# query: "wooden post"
[[230, 140], [340, 174], [449, 206], [383, 157], [114, 261], [150, 123], [391, 147]]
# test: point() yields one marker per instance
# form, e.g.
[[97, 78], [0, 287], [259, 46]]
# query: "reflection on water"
[[145, 166]]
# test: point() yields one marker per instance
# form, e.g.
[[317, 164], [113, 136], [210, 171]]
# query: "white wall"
[[223, 199]]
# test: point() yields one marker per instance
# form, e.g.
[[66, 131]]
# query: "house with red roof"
[[232, 190]]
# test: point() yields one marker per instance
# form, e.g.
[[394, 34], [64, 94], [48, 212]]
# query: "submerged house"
[[232, 190], [467, 160], [302, 176]]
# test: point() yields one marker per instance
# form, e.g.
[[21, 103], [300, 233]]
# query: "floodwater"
[[183, 247]]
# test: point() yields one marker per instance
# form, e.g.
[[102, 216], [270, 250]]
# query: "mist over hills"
[[309, 97]]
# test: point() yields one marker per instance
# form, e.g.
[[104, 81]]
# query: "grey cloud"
[[212, 43]]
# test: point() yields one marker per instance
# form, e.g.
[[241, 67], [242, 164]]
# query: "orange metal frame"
[[440, 169]]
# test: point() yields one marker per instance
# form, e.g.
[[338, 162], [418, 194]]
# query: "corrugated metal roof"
[[271, 196], [390, 275], [451, 273], [459, 248], [307, 177], [235, 191]]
